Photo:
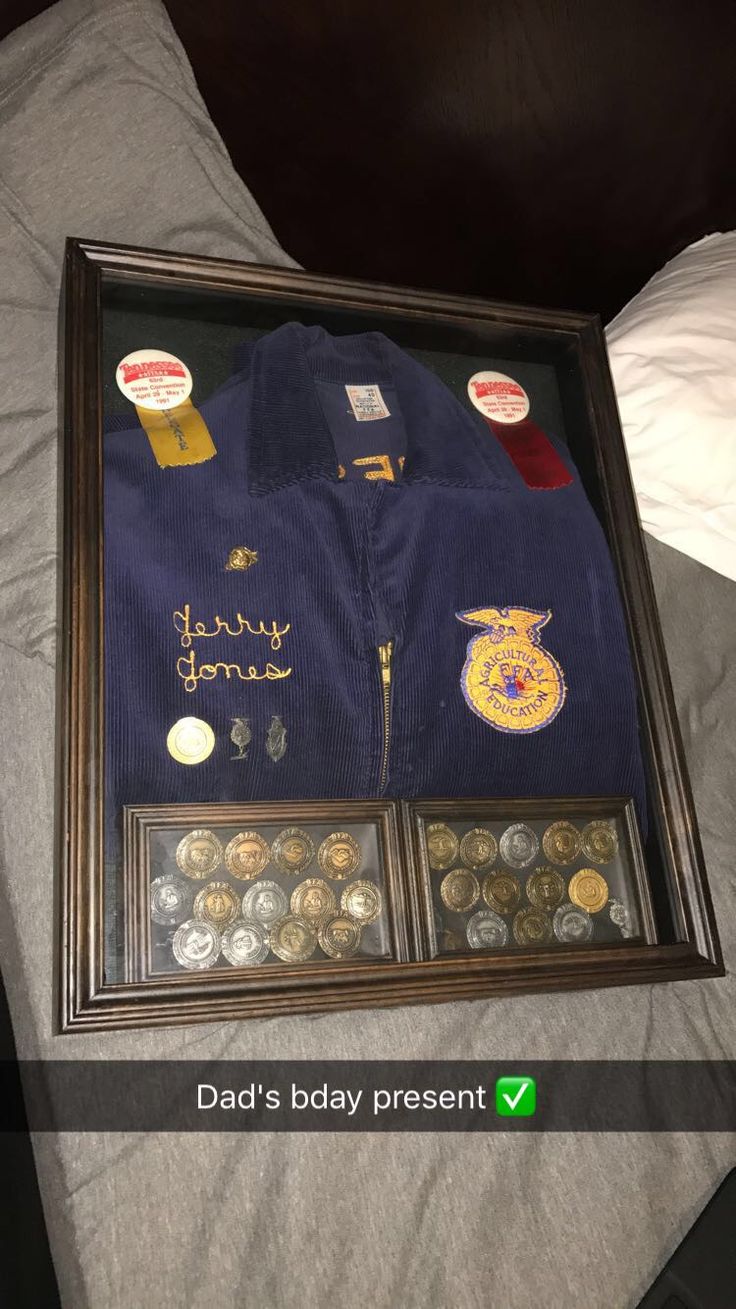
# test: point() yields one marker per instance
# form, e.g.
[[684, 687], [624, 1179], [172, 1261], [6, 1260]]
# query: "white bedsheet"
[[673, 359]]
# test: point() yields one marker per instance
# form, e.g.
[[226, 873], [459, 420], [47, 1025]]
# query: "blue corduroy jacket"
[[509, 671]]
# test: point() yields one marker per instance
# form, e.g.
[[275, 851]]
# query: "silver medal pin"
[[276, 740], [241, 736]]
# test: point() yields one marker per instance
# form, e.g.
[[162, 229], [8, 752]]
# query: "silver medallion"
[[621, 918], [571, 923], [276, 740], [171, 899], [196, 944], [486, 930], [265, 903], [245, 942], [519, 845]]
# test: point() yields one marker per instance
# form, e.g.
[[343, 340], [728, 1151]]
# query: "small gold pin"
[[241, 558]]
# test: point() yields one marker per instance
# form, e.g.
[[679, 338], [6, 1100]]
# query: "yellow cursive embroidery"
[[383, 472], [189, 632], [186, 667]]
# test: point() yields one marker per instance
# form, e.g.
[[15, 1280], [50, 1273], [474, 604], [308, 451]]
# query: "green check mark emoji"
[[516, 1097]]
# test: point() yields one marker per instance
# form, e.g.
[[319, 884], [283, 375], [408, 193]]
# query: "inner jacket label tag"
[[367, 403]]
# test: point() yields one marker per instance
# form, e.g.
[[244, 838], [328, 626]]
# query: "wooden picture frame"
[[417, 814], [382, 815], [687, 942]]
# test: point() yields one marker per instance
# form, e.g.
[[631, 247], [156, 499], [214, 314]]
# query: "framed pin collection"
[[258, 887], [363, 698]]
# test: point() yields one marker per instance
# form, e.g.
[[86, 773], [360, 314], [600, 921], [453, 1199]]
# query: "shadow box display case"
[[363, 699]]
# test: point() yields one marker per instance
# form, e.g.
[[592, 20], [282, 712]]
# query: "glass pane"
[[226, 896], [280, 623], [497, 884]]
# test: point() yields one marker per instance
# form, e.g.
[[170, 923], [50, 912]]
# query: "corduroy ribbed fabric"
[[347, 565]]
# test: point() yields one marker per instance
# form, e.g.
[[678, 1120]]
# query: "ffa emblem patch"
[[509, 680]]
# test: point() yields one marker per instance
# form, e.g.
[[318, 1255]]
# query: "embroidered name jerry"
[[421, 621], [190, 631]]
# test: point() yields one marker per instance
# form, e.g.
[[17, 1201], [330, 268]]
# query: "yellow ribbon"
[[178, 436]]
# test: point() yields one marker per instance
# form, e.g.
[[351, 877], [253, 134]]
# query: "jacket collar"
[[289, 440]]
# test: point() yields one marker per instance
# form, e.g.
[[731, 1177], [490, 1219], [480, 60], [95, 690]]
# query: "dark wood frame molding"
[[84, 1000]]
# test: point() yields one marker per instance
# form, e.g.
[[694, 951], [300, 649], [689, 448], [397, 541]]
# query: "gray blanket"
[[103, 134]]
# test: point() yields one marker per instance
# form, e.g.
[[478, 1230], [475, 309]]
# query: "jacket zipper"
[[385, 652]]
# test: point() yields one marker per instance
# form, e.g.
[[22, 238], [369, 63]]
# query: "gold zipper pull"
[[384, 654]]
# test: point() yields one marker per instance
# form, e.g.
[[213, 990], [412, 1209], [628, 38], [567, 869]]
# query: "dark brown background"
[[554, 152]]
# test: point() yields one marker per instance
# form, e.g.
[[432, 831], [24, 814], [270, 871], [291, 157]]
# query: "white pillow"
[[673, 358]]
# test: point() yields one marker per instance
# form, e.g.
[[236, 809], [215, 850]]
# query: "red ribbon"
[[532, 454]]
